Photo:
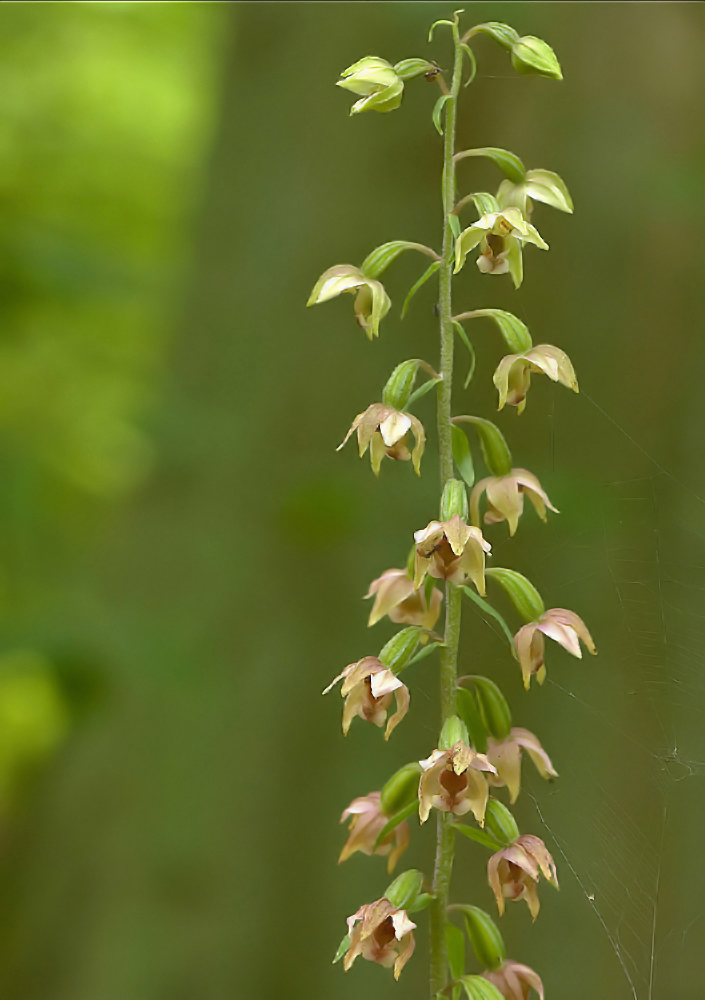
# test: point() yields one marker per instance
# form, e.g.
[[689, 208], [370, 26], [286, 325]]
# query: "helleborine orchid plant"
[[478, 753]]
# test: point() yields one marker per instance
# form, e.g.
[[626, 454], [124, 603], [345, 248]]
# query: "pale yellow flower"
[[505, 498], [367, 688], [371, 301], [564, 627], [384, 431], [453, 781], [514, 872], [365, 826], [513, 375], [377, 81], [501, 236], [380, 933]]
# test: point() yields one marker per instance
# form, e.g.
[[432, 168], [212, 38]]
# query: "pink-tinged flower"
[[451, 550], [396, 597], [380, 933], [505, 756], [367, 688], [565, 627], [505, 498], [514, 980], [514, 872], [365, 826], [384, 431], [452, 781], [513, 374]]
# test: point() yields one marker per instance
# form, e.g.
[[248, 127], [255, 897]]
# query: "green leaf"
[[435, 25], [382, 256], [515, 333], [495, 449], [455, 945], [473, 63], [479, 836], [342, 948], [425, 651], [478, 988], [468, 710], [437, 109], [454, 223], [545, 186], [471, 350], [422, 390], [508, 162], [415, 287], [462, 456], [503, 34], [394, 822], [523, 593], [495, 711], [489, 610]]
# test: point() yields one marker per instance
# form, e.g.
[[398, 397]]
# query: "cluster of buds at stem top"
[[513, 872], [505, 498], [505, 757], [513, 375], [367, 688], [501, 236], [396, 596], [565, 627], [367, 821]]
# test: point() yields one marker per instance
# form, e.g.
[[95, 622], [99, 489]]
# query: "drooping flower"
[[365, 826], [513, 374], [514, 872], [367, 688], [380, 933], [396, 596], [505, 498], [501, 236], [371, 301], [377, 81], [505, 756], [453, 781], [451, 550], [514, 980], [564, 627], [384, 431], [538, 185]]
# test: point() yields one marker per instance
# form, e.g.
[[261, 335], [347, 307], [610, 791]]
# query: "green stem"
[[445, 841]]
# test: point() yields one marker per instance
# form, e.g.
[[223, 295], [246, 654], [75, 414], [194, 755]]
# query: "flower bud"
[[453, 731], [470, 714], [493, 707], [398, 651], [524, 595], [401, 789], [484, 936], [407, 69], [533, 55], [500, 823], [402, 892], [400, 384], [454, 500], [378, 83]]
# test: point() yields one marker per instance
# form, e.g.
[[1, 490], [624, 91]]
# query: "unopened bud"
[[402, 892], [500, 823], [378, 83], [493, 707], [453, 731], [454, 501], [407, 69], [484, 936], [533, 55], [400, 648], [524, 595], [400, 790], [400, 384]]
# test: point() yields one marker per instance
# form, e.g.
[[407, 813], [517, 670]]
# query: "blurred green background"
[[182, 554]]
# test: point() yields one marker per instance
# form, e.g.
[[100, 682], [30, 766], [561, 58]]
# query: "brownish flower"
[[366, 823], [453, 782], [514, 980], [367, 688], [396, 597], [505, 498], [505, 755], [513, 375], [380, 933], [451, 550], [565, 627], [384, 431], [514, 872]]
